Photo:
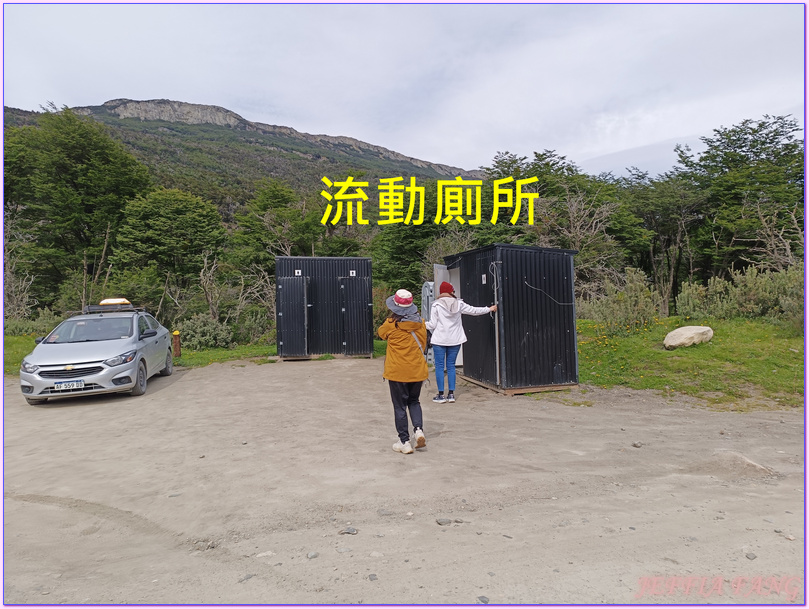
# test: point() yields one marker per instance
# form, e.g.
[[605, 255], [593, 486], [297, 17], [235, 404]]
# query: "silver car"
[[108, 349]]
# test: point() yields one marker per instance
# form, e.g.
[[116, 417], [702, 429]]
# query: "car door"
[[163, 341], [149, 346]]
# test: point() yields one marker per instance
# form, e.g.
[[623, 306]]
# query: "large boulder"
[[687, 336]]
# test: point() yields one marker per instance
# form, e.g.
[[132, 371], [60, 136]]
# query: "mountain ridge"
[[199, 114], [217, 154]]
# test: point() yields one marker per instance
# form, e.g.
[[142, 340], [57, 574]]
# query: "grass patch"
[[259, 354], [745, 358], [577, 403], [14, 349], [17, 347]]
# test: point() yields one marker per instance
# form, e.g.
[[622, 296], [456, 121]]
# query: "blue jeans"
[[443, 354]]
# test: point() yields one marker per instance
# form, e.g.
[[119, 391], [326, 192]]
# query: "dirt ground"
[[276, 484]]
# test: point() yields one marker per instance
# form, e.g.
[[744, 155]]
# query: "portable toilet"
[[531, 343], [323, 305]]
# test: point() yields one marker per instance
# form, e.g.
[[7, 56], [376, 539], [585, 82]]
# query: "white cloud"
[[451, 84]]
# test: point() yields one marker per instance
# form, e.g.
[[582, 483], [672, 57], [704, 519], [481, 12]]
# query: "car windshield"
[[88, 330]]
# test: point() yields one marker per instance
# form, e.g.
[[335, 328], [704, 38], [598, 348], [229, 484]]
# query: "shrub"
[[585, 308], [753, 294], [692, 301], [202, 332], [253, 326], [628, 309], [791, 299], [777, 296], [45, 321], [720, 300]]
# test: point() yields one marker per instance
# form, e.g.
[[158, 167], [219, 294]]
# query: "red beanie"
[[446, 288]]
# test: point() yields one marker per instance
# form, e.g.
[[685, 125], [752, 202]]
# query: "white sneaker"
[[421, 441], [451, 397], [403, 448]]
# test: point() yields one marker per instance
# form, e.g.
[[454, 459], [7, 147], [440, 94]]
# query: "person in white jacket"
[[448, 336]]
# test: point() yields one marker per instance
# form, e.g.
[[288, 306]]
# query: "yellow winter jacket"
[[404, 360]]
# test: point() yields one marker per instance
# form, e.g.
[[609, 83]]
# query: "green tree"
[[399, 250], [276, 222], [572, 211], [175, 229], [66, 182], [670, 207], [398, 254], [753, 177], [581, 219]]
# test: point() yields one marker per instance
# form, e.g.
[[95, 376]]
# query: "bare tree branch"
[[17, 299]]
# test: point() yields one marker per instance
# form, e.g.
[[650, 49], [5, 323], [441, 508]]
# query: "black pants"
[[405, 396]]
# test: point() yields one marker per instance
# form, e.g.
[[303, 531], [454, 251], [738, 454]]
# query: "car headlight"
[[29, 368], [124, 358]]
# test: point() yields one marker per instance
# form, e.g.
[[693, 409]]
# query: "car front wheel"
[[140, 382], [169, 365]]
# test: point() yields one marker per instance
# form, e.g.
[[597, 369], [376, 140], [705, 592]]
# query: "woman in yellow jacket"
[[405, 366]]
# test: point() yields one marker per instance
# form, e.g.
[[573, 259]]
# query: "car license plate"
[[65, 385]]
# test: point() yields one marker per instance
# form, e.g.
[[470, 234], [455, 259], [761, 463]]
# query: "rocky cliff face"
[[197, 114], [174, 112]]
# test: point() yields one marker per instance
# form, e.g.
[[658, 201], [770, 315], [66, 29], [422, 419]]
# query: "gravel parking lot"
[[276, 484]]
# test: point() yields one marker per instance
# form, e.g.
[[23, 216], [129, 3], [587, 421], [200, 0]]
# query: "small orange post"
[[175, 343]]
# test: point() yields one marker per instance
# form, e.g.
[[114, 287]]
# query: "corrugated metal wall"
[[477, 285], [532, 343], [337, 313], [292, 323], [539, 318]]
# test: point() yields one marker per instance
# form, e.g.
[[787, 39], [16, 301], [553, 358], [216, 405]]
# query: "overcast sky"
[[608, 86]]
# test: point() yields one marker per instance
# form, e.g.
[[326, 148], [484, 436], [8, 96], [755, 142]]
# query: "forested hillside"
[[182, 208], [220, 156]]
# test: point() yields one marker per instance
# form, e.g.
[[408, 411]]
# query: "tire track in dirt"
[[143, 526], [139, 524]]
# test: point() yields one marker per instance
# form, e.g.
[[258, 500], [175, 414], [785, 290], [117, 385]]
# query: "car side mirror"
[[38, 339], [148, 334]]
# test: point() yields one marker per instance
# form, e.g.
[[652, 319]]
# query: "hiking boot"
[[403, 448], [421, 441], [440, 399], [450, 397]]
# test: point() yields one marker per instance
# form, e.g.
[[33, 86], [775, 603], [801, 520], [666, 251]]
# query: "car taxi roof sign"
[[111, 305], [114, 301]]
